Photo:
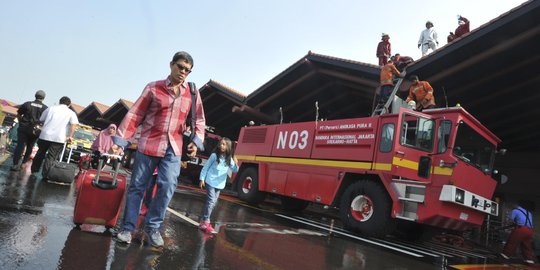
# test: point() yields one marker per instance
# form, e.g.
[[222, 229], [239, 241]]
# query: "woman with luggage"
[[213, 177], [103, 144]]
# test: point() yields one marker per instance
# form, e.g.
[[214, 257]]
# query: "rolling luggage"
[[62, 171], [99, 197]]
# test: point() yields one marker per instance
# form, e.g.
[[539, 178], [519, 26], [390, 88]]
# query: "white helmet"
[[412, 104]]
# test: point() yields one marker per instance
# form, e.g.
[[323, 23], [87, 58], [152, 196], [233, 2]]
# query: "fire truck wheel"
[[293, 204], [365, 207], [248, 186]]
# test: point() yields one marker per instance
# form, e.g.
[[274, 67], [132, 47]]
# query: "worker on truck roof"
[[462, 29], [428, 39], [384, 50]]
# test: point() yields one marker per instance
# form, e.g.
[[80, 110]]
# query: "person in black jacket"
[[27, 133]]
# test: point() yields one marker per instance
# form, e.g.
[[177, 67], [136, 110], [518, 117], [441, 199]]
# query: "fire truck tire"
[[365, 207], [248, 186], [293, 204]]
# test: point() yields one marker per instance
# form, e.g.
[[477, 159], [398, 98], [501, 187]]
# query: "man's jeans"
[[167, 179], [211, 200]]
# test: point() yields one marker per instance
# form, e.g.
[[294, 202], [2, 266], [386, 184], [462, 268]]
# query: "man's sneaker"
[[529, 261], [154, 238], [209, 228], [203, 225], [124, 236], [16, 168]]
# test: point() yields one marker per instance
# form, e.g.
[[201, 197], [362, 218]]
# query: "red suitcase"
[[99, 197]]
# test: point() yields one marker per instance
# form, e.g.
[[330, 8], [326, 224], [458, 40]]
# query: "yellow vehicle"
[[83, 137]]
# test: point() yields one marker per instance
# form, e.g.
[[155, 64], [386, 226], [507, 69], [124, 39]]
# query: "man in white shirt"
[[57, 121], [428, 39]]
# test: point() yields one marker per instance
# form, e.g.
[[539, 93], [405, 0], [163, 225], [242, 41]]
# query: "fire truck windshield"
[[474, 149]]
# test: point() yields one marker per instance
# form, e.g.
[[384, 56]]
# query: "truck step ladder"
[[381, 109], [410, 196]]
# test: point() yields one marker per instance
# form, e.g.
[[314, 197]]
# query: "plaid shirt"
[[163, 118]]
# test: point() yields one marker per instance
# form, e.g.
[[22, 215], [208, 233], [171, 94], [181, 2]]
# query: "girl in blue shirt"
[[213, 176]]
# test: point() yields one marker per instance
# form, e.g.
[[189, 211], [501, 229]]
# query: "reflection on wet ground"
[[37, 232]]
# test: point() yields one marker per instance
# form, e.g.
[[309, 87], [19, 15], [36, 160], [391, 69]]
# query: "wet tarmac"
[[37, 232]]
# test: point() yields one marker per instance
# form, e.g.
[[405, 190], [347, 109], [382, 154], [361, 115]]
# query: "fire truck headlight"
[[460, 196]]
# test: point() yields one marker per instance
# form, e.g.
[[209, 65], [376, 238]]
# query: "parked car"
[[4, 137], [83, 137]]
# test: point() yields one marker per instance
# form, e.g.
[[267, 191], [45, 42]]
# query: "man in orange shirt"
[[421, 93], [387, 80]]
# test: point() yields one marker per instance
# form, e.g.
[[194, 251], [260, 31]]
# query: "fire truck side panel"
[[276, 181], [307, 182], [256, 141], [297, 184], [324, 195], [346, 139], [293, 140]]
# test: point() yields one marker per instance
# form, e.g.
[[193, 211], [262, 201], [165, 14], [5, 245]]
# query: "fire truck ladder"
[[382, 108]]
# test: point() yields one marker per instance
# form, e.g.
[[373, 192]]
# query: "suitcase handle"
[[107, 184], [104, 184], [63, 150]]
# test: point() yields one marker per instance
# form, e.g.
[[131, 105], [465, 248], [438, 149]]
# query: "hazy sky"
[[105, 50]]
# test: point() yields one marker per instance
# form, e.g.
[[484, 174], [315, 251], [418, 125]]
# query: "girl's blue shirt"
[[214, 173]]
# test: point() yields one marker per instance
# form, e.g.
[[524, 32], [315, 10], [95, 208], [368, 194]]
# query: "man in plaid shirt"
[[162, 110]]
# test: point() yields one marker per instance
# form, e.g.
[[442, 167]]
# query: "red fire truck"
[[433, 168]]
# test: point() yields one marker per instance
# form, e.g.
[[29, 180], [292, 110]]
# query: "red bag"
[[99, 198], [85, 161]]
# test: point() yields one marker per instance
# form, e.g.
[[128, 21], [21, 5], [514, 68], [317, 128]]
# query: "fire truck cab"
[[433, 167]]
